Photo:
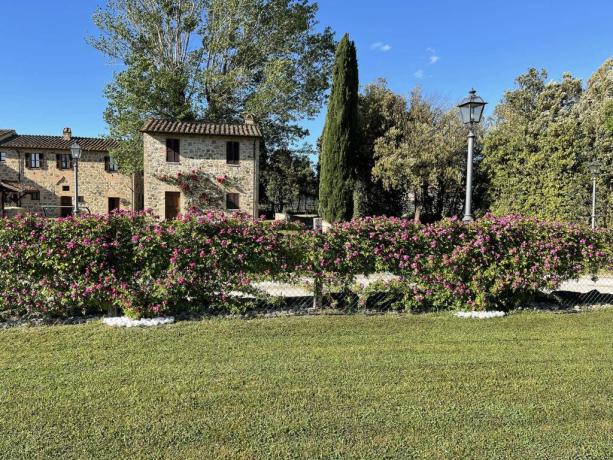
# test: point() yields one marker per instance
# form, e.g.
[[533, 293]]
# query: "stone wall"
[[96, 185], [201, 152]]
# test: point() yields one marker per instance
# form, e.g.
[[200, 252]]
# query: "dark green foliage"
[[379, 111], [340, 138], [213, 60], [288, 179], [545, 134]]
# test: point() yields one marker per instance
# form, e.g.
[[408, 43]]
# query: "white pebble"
[[480, 314], [124, 321]]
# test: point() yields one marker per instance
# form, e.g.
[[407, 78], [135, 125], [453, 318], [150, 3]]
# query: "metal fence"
[[304, 295]]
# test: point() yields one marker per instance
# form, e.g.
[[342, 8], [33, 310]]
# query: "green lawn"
[[532, 385]]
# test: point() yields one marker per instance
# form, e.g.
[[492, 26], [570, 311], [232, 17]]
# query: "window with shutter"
[[34, 160], [63, 161], [110, 165], [232, 153], [172, 150]]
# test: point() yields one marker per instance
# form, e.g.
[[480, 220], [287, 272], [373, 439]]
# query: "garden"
[[211, 263], [379, 384]]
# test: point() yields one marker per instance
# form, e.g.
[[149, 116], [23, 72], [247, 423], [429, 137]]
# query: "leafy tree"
[[379, 109], [289, 178], [595, 140], [421, 157], [213, 59], [609, 114], [340, 142], [532, 153]]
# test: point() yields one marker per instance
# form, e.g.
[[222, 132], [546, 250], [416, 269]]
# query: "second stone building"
[[201, 165]]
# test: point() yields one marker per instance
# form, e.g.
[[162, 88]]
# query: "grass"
[[532, 385]]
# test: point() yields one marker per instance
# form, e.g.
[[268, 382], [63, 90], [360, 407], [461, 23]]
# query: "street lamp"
[[75, 152], [471, 110], [594, 169]]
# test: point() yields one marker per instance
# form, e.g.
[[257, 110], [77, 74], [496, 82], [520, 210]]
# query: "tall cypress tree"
[[340, 137]]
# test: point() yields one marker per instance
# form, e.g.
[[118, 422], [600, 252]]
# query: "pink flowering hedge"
[[134, 263], [491, 263], [209, 262]]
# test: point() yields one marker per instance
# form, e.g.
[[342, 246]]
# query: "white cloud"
[[380, 46], [433, 58], [419, 74]]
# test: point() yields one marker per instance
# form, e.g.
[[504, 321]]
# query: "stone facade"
[[206, 153], [97, 187]]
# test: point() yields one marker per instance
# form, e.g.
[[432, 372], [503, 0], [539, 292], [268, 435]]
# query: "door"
[[113, 203], [66, 203], [172, 205]]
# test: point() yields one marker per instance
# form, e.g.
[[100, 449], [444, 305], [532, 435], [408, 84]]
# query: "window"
[[35, 196], [65, 188], [232, 153], [113, 203], [34, 160], [172, 205], [63, 161], [2, 156], [66, 206], [173, 150], [81, 199], [110, 165], [232, 201]]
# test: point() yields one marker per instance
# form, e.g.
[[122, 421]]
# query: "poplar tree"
[[340, 137]]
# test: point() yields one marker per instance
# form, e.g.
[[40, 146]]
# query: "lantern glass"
[[594, 168], [75, 151], [471, 108]]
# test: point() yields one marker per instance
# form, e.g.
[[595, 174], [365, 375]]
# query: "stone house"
[[204, 165], [36, 175]]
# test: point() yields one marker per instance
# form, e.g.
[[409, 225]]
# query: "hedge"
[[209, 262]]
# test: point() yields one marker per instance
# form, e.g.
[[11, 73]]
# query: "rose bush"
[[209, 262], [491, 263]]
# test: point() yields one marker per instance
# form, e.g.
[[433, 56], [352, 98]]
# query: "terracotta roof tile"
[[155, 125], [28, 141], [14, 186]]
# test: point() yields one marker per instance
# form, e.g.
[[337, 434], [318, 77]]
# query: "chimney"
[[67, 134], [248, 118]]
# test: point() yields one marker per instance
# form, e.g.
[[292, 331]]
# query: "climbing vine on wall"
[[202, 189]]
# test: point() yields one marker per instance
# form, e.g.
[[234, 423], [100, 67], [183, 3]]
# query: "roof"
[[6, 133], [14, 186], [156, 125], [29, 141]]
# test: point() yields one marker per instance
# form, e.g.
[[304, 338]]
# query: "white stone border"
[[480, 314], [124, 321]]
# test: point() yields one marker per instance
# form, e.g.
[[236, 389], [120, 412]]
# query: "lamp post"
[[471, 110], [594, 169], [75, 152]]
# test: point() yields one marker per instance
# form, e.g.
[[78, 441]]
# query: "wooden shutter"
[[232, 152], [58, 161], [41, 160], [176, 149], [28, 160], [172, 150], [172, 205], [107, 163]]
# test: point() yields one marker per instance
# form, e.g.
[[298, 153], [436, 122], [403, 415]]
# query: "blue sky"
[[51, 78]]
